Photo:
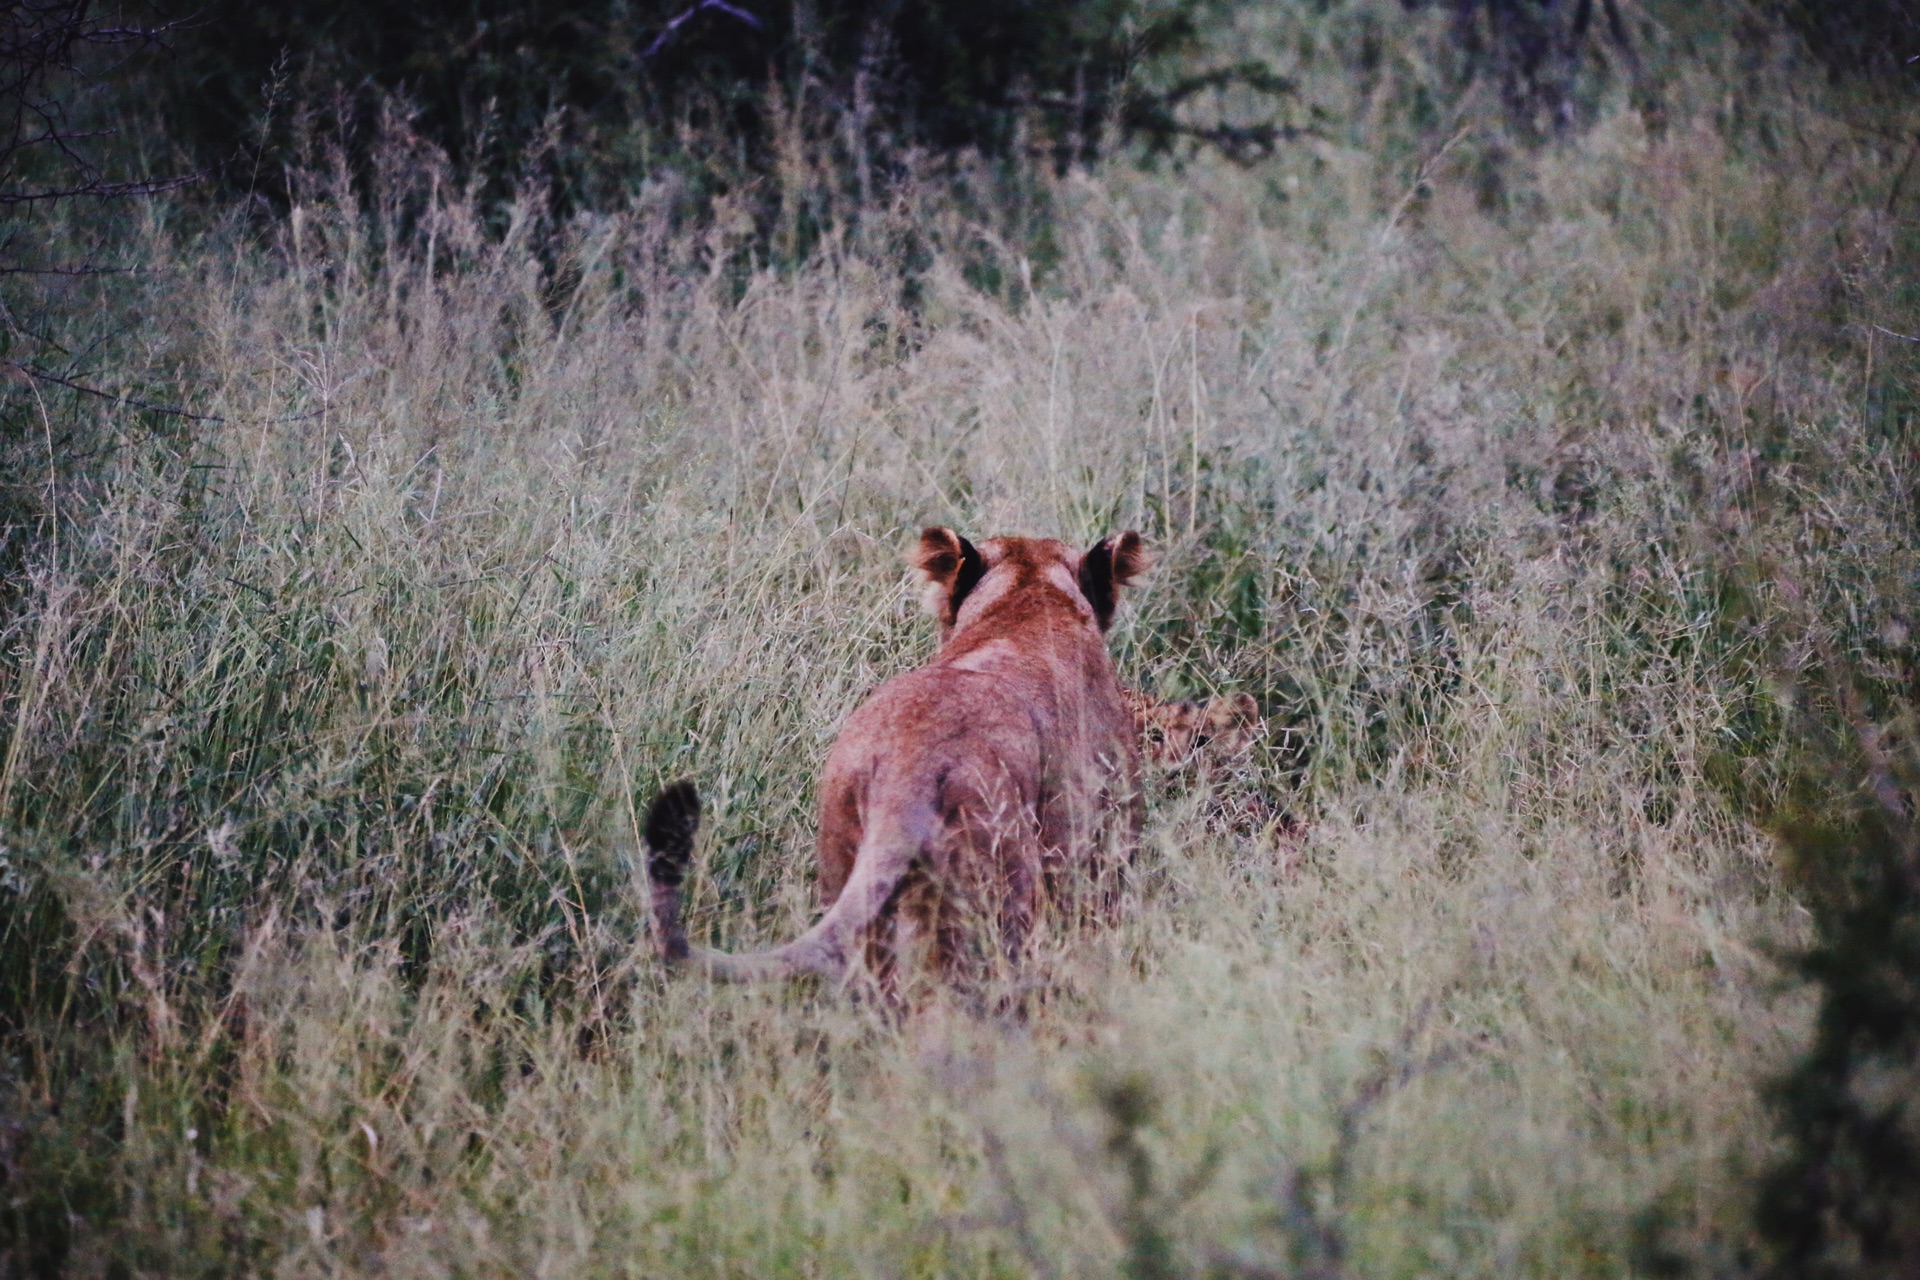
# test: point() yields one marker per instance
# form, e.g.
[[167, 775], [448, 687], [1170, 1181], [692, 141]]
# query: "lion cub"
[[963, 795], [1177, 733]]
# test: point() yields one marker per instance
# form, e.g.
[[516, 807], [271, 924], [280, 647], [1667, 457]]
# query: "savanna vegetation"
[[1521, 401]]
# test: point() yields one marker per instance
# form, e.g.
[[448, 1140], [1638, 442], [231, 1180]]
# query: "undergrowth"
[[407, 556]]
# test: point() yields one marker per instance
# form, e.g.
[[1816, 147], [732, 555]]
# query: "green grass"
[[325, 722]]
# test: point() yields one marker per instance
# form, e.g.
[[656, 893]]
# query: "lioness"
[[961, 795]]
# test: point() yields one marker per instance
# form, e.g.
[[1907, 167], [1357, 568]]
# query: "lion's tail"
[[886, 854]]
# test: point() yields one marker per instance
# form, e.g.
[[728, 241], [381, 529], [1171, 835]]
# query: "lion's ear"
[[1110, 564], [949, 567]]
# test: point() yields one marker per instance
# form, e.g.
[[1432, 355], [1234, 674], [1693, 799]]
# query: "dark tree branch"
[[40, 42], [82, 269], [679, 20], [102, 190], [167, 410]]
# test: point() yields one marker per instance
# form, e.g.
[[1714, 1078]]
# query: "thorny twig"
[[1013, 1215], [39, 40], [1315, 1231], [1318, 1236]]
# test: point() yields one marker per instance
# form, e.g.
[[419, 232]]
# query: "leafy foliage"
[[1535, 51], [604, 92], [1844, 1202]]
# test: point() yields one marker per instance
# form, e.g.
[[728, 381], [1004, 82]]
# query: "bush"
[[1873, 36], [1843, 1203], [608, 93]]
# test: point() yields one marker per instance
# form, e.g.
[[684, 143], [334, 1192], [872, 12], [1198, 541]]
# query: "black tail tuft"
[[671, 822]]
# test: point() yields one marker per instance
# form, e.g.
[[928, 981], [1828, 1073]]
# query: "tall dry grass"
[[327, 714]]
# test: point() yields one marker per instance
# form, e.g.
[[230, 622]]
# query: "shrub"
[[1843, 1201]]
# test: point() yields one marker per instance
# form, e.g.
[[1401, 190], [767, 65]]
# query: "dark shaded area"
[[1858, 35], [51, 52], [607, 91], [1535, 51], [1843, 1203]]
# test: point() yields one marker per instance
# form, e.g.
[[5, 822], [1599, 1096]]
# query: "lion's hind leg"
[[975, 918]]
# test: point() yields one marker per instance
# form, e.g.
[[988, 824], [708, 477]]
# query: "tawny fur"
[[962, 797], [1211, 744], [1175, 733]]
